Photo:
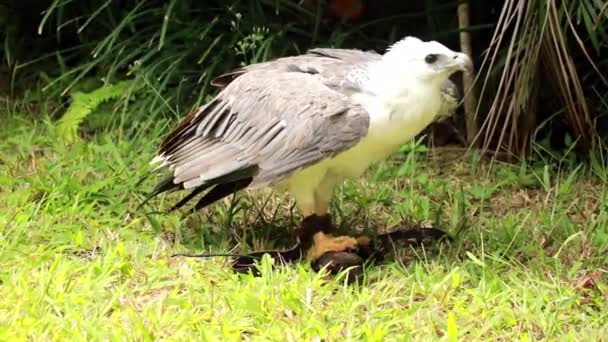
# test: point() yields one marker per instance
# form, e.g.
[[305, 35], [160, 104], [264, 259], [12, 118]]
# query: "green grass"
[[78, 262]]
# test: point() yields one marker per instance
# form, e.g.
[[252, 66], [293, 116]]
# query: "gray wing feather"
[[336, 68], [341, 69], [352, 56], [276, 120]]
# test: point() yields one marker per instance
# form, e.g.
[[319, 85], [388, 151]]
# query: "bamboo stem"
[[470, 98]]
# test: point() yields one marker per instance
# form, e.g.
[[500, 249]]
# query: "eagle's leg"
[[317, 234]]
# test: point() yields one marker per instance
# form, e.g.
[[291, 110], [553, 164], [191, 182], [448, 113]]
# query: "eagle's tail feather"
[[190, 196], [222, 190], [224, 186]]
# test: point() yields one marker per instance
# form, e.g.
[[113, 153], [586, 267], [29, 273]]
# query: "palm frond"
[[532, 52]]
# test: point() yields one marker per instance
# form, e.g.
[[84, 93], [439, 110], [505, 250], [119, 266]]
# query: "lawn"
[[79, 262]]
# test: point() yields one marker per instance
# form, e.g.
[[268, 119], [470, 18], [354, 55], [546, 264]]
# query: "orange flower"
[[342, 8]]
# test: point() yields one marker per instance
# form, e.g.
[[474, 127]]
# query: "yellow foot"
[[324, 243]]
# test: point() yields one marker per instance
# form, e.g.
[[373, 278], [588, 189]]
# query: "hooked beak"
[[462, 62]]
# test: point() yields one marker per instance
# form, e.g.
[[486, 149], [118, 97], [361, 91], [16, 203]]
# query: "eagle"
[[305, 123]]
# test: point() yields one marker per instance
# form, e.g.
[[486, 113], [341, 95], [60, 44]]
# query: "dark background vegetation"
[[541, 64]]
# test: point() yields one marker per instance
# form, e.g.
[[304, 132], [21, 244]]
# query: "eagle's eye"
[[432, 58]]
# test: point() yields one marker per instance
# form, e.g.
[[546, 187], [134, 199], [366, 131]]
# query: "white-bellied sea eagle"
[[305, 123]]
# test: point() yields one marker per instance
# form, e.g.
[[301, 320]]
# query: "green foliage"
[[84, 104], [173, 48], [592, 15]]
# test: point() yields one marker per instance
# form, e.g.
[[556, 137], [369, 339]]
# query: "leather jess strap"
[[374, 252]]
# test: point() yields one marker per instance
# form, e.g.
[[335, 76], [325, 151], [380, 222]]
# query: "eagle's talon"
[[325, 243]]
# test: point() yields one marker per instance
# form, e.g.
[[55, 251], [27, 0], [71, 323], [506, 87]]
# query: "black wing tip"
[[220, 191], [222, 187], [188, 197], [164, 185]]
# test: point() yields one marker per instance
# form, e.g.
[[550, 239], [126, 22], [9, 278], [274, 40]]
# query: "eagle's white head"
[[412, 63], [425, 60], [405, 88]]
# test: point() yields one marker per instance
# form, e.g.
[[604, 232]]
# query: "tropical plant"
[[173, 48], [540, 72], [533, 73]]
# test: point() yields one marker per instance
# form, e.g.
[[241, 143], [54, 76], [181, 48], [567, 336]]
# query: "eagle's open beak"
[[463, 62]]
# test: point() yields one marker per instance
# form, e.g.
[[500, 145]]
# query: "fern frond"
[[84, 104]]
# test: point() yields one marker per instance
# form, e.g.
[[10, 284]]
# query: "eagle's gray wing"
[[262, 127], [341, 69], [330, 66]]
